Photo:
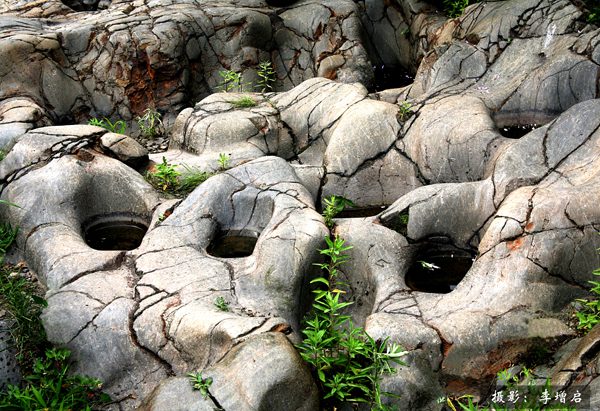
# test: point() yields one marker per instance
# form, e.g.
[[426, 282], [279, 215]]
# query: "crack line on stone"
[[109, 265], [558, 277], [134, 338]]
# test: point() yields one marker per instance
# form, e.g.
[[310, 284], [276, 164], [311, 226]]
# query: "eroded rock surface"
[[133, 318], [167, 55]]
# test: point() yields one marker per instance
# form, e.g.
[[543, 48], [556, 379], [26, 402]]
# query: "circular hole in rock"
[[87, 5], [517, 131], [233, 244], [445, 266], [115, 232], [360, 212], [391, 76]]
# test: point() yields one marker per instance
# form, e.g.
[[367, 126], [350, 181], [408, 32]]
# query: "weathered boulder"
[[124, 58], [267, 368], [125, 149], [319, 123], [132, 318]]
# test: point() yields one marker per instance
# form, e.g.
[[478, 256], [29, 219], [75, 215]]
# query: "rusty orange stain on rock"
[[529, 227], [513, 245], [331, 73]]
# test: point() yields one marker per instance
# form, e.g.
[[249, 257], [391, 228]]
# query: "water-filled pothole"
[[517, 131], [390, 76], [360, 212], [88, 5], [233, 244], [115, 232], [438, 269]]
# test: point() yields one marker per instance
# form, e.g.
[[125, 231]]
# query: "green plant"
[[454, 8], [405, 111], [267, 76], [594, 6], [333, 206], [237, 82], [405, 31], [108, 125], [201, 384], [24, 307], [244, 102], [348, 362], [403, 218], [165, 176], [226, 83], [49, 388], [221, 304], [231, 80], [192, 178], [589, 316], [150, 123], [223, 161], [7, 236], [95, 122]]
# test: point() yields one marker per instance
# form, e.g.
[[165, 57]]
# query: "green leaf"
[[39, 300], [320, 280], [321, 375]]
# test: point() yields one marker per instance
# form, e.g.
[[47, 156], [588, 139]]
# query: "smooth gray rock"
[[177, 394], [125, 149], [271, 373]]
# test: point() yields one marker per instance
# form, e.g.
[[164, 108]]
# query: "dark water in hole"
[[360, 212], [442, 280], [115, 235], [516, 132], [388, 77], [233, 245]]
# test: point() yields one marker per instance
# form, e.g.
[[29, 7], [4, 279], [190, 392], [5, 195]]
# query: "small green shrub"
[[150, 123], [165, 176], [243, 102], [108, 125], [267, 76], [192, 178], [454, 8], [221, 304], [333, 206], [590, 315], [49, 388], [223, 161], [201, 384], [405, 111], [231, 81], [348, 362]]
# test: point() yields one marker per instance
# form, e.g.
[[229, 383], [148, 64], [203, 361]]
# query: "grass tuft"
[[244, 102]]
